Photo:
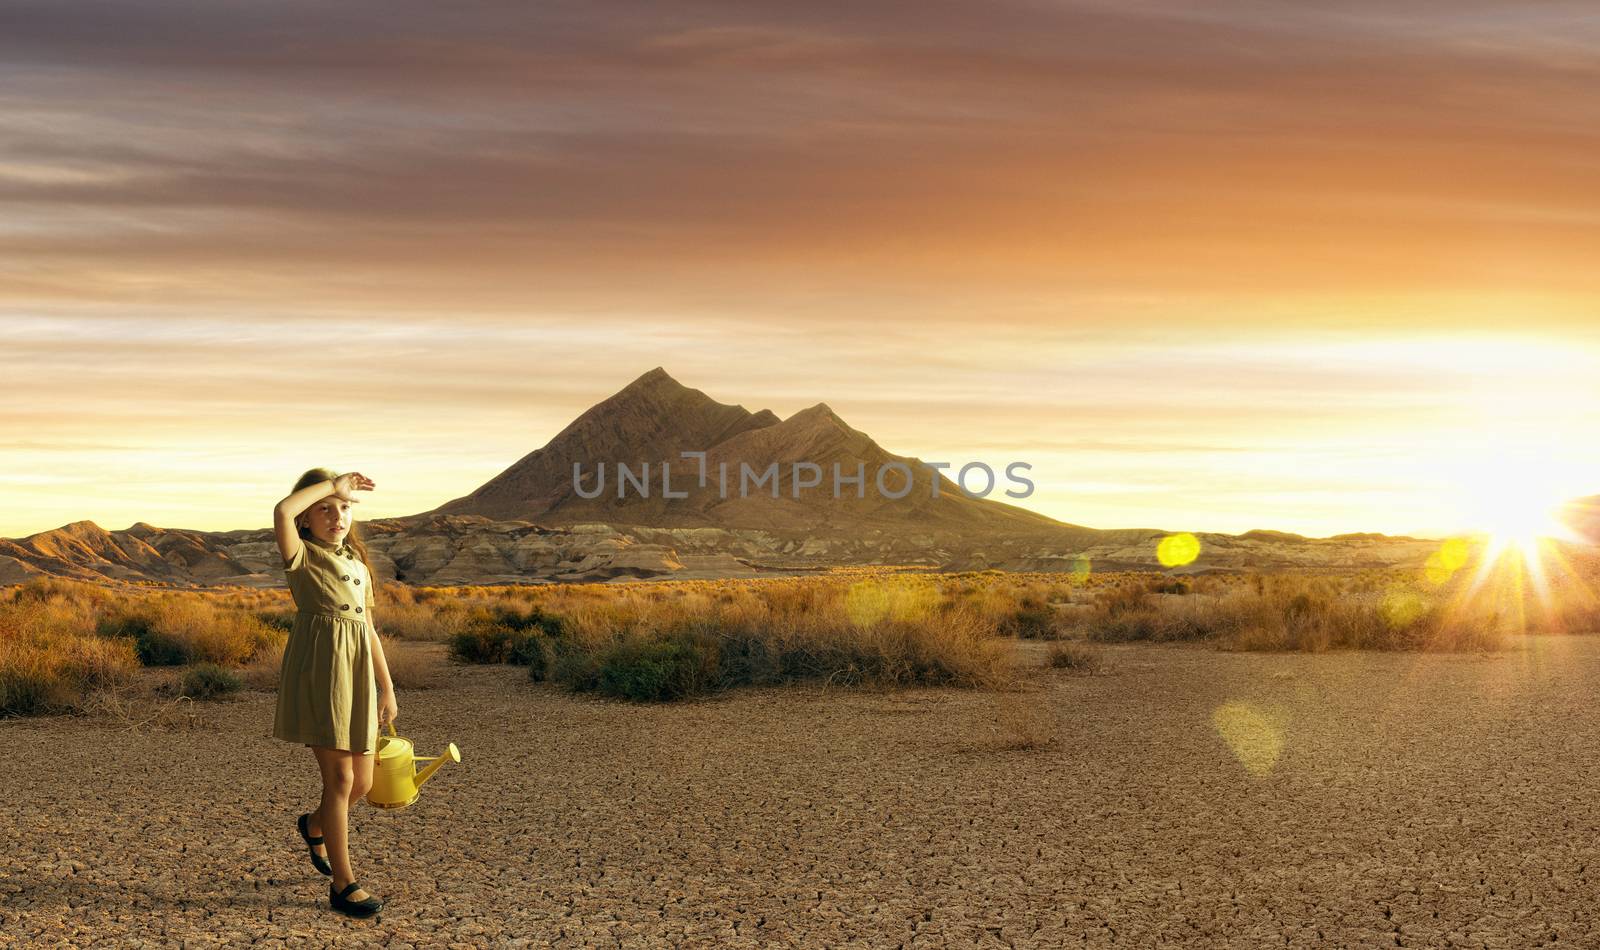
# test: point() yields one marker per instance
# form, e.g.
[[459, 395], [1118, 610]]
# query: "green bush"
[[530, 651], [750, 661], [158, 649], [481, 644], [657, 670], [576, 669], [503, 635], [208, 680], [534, 621], [153, 646]]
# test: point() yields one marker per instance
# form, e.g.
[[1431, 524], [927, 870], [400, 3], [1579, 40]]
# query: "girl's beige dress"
[[327, 690]]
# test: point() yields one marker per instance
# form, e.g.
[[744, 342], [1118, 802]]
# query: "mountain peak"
[[657, 378], [821, 411], [76, 529], [653, 419]]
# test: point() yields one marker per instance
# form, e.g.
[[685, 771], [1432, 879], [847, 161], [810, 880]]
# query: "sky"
[[1309, 267]]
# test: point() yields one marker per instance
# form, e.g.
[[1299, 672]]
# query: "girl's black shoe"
[[364, 908], [311, 845]]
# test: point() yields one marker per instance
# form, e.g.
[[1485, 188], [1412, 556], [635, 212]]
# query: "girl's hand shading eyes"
[[348, 483]]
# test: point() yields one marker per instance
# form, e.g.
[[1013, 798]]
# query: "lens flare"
[[1080, 568], [1252, 736], [1451, 557], [874, 601], [1402, 607], [1176, 550]]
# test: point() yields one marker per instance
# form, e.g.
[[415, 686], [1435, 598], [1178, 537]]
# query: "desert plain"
[[1176, 795]]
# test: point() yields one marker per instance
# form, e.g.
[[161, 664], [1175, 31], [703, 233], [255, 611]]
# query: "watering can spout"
[[451, 754]]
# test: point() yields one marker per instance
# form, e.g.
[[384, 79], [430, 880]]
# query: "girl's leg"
[[338, 787], [363, 765]]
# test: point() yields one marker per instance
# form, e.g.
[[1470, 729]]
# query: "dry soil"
[[1183, 796]]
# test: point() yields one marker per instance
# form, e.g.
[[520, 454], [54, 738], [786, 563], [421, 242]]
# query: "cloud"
[[714, 155]]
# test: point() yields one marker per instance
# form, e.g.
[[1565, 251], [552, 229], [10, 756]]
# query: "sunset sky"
[[1314, 267]]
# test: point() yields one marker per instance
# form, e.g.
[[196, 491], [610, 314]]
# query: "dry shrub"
[[1074, 655], [133, 711], [418, 621], [1290, 612], [209, 681], [47, 664], [1030, 619], [413, 666], [78, 596], [960, 648], [174, 629], [395, 595], [263, 670], [63, 643], [1579, 618]]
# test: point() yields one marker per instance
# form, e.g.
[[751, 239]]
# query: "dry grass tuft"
[[1022, 724], [136, 710], [1074, 655]]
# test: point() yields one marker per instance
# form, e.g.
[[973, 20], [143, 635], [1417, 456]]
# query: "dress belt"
[[337, 614]]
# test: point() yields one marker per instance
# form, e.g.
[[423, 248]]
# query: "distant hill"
[[142, 553], [1262, 534]]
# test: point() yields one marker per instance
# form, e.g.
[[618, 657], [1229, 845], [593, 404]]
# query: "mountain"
[[655, 418]]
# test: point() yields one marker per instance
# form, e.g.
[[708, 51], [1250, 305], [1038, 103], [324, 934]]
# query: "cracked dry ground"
[[1190, 797]]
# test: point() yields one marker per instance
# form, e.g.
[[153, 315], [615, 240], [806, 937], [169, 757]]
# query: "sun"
[[1520, 521], [1512, 499]]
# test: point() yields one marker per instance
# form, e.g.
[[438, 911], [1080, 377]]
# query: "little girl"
[[334, 689]]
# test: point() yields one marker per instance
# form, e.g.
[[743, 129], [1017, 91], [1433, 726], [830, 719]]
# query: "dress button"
[[358, 580], [344, 606], [344, 577], [358, 610]]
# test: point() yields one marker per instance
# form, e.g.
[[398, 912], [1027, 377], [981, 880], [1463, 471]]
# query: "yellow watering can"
[[394, 783]]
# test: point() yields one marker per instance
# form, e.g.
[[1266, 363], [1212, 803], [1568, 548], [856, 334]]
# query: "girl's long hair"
[[353, 538]]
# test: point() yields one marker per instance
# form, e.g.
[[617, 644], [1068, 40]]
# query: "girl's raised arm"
[[287, 510]]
